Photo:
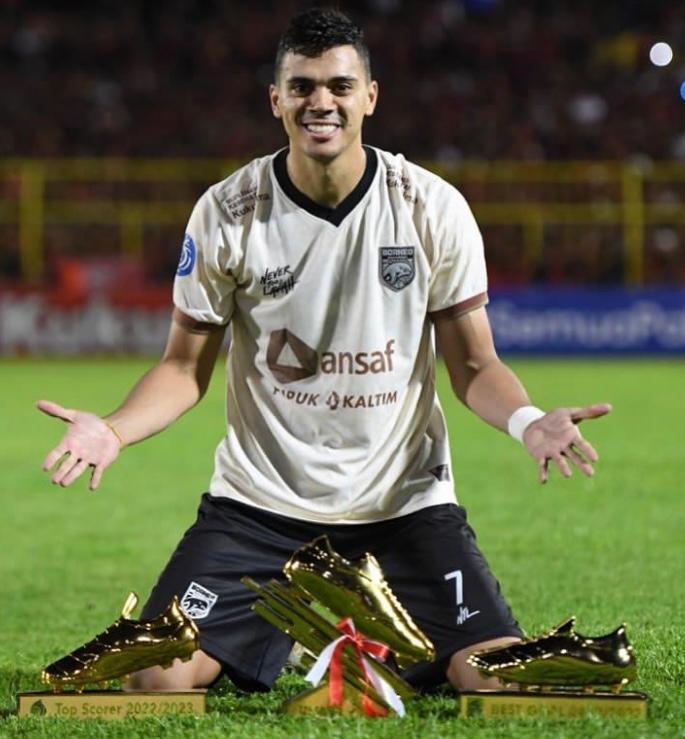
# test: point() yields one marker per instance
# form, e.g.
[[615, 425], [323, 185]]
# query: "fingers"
[[96, 476], [66, 465], [76, 471], [560, 462], [57, 453], [586, 449], [578, 453], [543, 471], [55, 410], [591, 411], [582, 464], [71, 468], [562, 465]]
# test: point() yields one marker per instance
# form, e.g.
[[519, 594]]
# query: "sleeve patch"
[[187, 260]]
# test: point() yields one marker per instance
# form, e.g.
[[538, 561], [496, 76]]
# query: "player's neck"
[[327, 183]]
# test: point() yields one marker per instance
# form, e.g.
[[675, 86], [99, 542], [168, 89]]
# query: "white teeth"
[[321, 127]]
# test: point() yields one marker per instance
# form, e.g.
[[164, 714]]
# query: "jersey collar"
[[332, 215]]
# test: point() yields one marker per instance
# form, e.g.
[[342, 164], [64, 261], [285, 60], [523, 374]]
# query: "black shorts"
[[430, 560]]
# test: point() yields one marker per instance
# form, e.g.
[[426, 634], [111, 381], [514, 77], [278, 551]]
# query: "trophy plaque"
[[111, 705], [124, 647], [559, 673]]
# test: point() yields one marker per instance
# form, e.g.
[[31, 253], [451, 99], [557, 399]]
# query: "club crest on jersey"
[[187, 260], [396, 266]]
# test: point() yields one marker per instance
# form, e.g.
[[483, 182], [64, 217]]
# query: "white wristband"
[[521, 418]]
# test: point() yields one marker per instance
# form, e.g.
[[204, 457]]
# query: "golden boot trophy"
[[357, 595], [559, 673], [128, 645], [358, 589]]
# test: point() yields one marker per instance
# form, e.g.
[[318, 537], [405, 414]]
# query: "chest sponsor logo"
[[187, 260], [290, 359], [333, 401], [277, 281], [396, 266]]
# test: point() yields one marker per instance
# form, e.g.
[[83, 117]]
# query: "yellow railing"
[[130, 195]]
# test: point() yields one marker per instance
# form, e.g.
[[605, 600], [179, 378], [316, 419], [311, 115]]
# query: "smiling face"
[[322, 102]]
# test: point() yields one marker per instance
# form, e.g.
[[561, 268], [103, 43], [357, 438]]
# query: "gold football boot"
[[562, 657], [125, 647], [359, 590]]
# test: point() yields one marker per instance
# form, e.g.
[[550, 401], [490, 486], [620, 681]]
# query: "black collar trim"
[[332, 215]]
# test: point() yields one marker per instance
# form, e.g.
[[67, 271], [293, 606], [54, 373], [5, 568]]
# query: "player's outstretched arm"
[[487, 386], [169, 389]]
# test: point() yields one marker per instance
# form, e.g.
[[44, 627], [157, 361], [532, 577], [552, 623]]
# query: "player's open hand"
[[88, 442], [555, 437]]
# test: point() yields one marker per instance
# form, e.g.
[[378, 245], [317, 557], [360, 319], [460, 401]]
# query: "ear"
[[274, 98], [373, 97]]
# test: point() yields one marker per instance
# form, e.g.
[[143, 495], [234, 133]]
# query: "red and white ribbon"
[[331, 657]]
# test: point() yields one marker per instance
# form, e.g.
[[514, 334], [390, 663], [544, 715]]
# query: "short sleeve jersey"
[[331, 404]]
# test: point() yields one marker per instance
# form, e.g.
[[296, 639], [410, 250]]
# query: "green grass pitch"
[[608, 549]]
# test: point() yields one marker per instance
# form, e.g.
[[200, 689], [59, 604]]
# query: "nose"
[[321, 99]]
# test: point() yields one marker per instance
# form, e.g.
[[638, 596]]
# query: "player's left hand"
[[555, 437]]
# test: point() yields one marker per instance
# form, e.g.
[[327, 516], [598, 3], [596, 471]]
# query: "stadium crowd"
[[460, 78]]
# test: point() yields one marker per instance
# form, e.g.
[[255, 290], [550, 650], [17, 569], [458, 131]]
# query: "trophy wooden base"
[[315, 700], [111, 705], [503, 704]]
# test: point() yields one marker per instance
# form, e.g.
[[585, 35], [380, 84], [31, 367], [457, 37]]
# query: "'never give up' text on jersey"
[[331, 404]]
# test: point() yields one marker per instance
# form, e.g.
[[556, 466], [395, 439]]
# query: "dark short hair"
[[316, 30]]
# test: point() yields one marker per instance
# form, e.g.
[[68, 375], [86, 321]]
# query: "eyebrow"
[[337, 78]]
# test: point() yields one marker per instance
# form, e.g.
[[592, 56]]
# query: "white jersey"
[[331, 404]]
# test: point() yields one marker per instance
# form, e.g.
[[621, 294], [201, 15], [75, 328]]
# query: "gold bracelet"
[[110, 426]]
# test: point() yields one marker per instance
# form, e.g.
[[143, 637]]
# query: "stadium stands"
[[461, 78], [462, 81]]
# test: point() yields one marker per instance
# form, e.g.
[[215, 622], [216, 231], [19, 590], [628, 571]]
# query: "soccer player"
[[335, 265]]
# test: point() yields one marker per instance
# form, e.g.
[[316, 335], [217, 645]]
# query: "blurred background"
[[563, 123]]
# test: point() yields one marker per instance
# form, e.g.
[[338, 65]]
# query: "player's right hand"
[[88, 442]]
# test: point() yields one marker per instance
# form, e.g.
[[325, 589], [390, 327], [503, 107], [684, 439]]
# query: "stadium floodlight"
[[661, 54]]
